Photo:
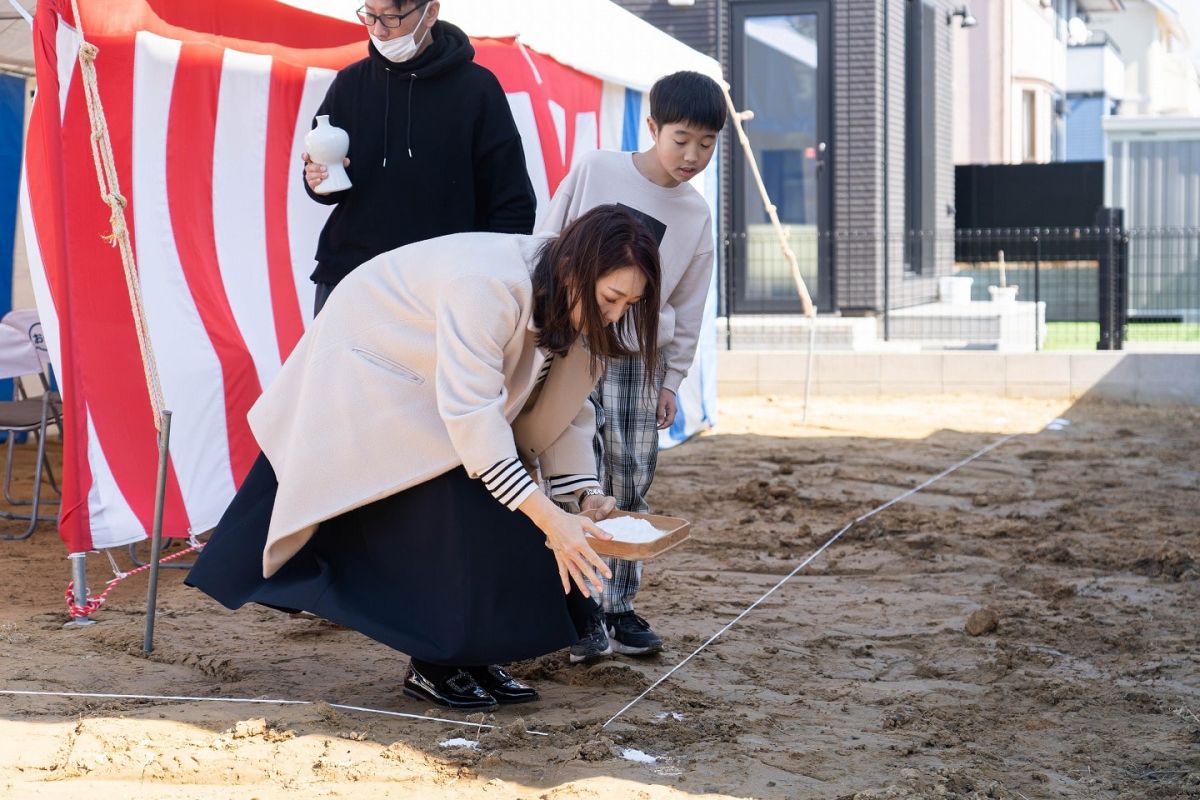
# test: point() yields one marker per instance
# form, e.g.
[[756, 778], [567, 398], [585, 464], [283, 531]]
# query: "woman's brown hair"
[[604, 239]]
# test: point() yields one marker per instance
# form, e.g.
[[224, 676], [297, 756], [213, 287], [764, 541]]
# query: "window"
[[1029, 128]]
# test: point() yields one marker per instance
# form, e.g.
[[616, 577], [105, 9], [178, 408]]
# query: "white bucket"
[[1003, 294], [956, 291]]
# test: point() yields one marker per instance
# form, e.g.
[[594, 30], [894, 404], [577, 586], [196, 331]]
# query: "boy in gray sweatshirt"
[[687, 112]]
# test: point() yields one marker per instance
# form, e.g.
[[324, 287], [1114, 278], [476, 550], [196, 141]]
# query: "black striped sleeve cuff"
[[509, 482], [570, 484]]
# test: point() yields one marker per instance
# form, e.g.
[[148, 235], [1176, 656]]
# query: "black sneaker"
[[631, 635], [593, 644]]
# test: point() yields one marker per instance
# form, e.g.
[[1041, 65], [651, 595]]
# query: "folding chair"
[[23, 353]]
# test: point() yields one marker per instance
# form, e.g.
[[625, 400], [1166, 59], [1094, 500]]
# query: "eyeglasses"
[[388, 20]]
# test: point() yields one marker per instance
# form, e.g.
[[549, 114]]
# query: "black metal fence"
[[1027, 289]]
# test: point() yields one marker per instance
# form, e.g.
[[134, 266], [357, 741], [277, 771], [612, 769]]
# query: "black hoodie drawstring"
[[408, 134], [387, 111]]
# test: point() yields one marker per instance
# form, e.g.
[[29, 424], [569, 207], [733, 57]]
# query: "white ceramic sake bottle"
[[328, 145]]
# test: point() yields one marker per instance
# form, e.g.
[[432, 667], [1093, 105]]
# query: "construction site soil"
[[1026, 627]]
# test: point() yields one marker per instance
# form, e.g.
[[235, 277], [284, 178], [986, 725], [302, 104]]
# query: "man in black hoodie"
[[433, 146]]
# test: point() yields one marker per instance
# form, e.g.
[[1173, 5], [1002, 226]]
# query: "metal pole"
[[886, 143], [1121, 283], [1037, 287], [1104, 274], [726, 179], [79, 588], [808, 370], [164, 442], [729, 289]]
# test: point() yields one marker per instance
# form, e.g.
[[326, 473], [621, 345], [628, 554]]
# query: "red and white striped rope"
[[93, 603]]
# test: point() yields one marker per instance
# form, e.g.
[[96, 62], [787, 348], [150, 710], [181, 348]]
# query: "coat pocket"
[[386, 363]]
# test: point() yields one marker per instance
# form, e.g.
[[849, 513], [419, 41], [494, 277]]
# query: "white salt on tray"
[[630, 529]]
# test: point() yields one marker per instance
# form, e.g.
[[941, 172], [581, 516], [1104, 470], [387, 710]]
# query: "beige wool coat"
[[424, 359]]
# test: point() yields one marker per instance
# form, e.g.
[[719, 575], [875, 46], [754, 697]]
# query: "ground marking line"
[[104, 696], [806, 562]]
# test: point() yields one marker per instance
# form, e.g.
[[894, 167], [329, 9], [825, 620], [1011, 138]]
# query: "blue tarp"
[[12, 136]]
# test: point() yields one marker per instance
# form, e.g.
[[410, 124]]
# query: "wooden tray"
[[675, 532]]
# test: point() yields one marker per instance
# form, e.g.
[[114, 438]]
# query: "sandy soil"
[[1072, 553]]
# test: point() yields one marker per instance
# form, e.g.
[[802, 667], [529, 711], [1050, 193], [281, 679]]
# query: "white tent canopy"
[[565, 30], [597, 37]]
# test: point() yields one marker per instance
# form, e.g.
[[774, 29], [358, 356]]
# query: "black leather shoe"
[[458, 691], [497, 682]]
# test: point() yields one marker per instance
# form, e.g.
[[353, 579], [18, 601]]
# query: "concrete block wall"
[[1151, 378]]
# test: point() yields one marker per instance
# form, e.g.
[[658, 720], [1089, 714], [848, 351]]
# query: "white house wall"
[[1095, 69], [1157, 80], [1013, 49], [1037, 53], [1039, 65], [1172, 85], [979, 63]]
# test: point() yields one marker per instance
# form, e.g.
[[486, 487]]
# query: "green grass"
[[1084, 335]]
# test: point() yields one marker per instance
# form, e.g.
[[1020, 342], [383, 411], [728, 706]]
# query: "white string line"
[[184, 698], [805, 563], [21, 10], [537, 76]]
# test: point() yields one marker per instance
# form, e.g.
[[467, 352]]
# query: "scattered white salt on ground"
[[630, 529], [467, 743], [629, 754]]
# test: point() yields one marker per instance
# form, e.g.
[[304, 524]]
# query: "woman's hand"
[[666, 409], [566, 535], [597, 507], [314, 174]]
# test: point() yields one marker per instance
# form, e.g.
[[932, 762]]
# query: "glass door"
[[781, 64]]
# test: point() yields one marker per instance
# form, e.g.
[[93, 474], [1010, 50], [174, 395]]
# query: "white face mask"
[[402, 48]]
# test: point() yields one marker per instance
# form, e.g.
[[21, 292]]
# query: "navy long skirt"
[[440, 571]]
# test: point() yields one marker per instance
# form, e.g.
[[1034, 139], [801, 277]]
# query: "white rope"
[[537, 76], [187, 699], [110, 192], [20, 9], [805, 563], [117, 571]]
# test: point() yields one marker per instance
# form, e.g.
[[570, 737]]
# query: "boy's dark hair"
[[603, 240], [689, 98]]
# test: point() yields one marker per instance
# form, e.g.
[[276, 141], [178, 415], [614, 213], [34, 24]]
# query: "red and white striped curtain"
[[207, 104]]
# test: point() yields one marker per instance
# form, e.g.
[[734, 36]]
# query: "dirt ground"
[[1073, 553]]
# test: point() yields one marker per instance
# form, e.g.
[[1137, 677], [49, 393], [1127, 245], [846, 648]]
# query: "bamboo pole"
[[789, 255]]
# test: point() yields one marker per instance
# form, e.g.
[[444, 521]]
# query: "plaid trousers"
[[626, 446]]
